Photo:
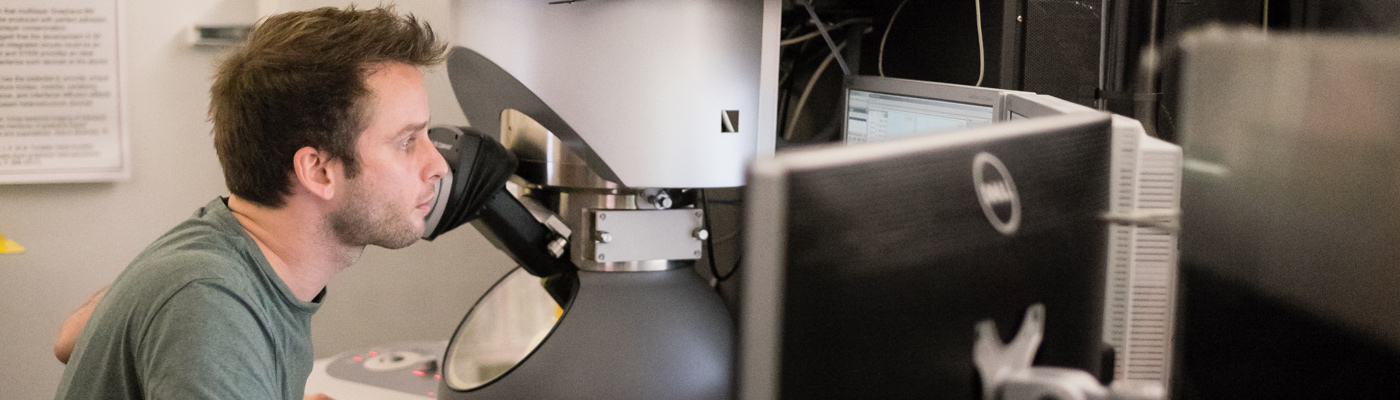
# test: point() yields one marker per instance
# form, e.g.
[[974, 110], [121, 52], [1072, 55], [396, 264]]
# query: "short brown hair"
[[299, 81]]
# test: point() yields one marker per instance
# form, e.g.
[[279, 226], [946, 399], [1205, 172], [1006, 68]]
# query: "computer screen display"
[[877, 117], [867, 267], [883, 109]]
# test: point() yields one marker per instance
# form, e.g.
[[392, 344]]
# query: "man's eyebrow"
[[410, 129]]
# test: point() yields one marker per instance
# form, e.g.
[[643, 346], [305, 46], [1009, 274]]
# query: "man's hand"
[[316, 396], [73, 327]]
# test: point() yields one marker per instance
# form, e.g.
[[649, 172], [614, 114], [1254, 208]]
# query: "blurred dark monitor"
[[1291, 216]]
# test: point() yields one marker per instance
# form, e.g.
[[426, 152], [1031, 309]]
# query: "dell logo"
[[997, 193]]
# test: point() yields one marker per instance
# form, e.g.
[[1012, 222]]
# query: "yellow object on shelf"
[[8, 246]]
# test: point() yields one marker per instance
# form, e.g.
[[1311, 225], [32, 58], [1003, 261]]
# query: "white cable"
[[821, 27], [802, 100], [981, 48], [1164, 219], [880, 61], [1266, 17], [811, 35]]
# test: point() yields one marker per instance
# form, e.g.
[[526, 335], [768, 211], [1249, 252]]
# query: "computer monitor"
[[1023, 105], [867, 267], [880, 109], [1140, 297]]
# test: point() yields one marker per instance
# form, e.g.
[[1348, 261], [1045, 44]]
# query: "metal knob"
[[602, 236], [701, 233], [661, 200]]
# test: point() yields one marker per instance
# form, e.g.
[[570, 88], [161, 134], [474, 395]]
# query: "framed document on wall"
[[62, 116]]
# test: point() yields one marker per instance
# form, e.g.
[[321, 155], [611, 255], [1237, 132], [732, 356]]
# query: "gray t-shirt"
[[199, 314]]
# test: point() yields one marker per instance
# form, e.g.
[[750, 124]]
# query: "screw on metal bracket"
[[556, 247]]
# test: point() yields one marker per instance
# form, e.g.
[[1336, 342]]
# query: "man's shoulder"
[[212, 228], [159, 273], [189, 256], [199, 249], [207, 245]]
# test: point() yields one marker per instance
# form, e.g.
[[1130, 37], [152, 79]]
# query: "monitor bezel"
[[1031, 105]]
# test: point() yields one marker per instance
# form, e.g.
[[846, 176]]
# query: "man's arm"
[[73, 327]]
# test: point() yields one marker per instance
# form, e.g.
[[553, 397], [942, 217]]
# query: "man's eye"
[[408, 143]]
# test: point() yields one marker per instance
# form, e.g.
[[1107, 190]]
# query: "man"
[[320, 124]]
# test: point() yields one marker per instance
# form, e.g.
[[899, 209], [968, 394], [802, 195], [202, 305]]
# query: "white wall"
[[78, 237]]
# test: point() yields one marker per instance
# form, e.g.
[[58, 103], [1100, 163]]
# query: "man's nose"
[[437, 165]]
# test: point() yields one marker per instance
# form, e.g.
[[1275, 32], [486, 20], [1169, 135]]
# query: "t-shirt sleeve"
[[207, 342]]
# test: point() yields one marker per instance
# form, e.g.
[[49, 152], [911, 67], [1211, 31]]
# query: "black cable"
[[710, 246], [732, 270]]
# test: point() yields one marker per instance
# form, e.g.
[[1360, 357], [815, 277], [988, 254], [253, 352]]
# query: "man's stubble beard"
[[364, 221]]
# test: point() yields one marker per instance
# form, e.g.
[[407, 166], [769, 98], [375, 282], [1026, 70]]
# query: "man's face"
[[385, 204]]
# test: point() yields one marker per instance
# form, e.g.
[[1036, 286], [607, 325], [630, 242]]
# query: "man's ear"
[[317, 172]]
